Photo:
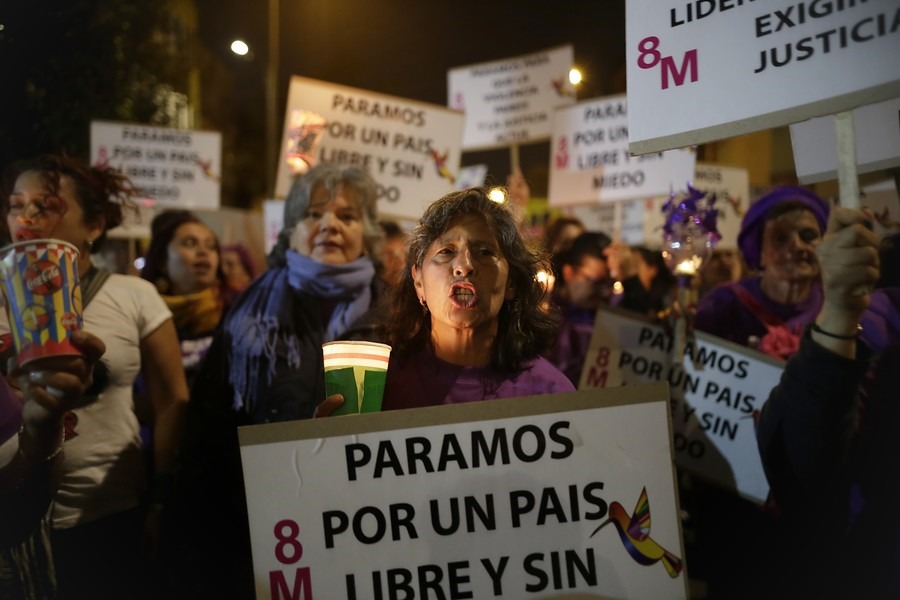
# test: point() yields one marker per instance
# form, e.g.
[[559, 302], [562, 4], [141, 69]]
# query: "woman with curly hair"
[[465, 323], [99, 515]]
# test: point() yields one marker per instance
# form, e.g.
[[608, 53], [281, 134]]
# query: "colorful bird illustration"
[[206, 167], [635, 535], [561, 88], [440, 163], [735, 204]]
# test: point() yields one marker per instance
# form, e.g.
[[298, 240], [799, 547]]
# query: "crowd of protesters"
[[123, 466]]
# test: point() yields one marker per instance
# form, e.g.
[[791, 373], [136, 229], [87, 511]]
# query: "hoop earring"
[[424, 306]]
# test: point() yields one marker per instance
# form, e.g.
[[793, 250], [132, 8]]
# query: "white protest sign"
[[731, 185], [512, 100], [602, 217], [174, 168], [877, 129], [642, 220], [411, 149], [704, 70], [514, 498], [273, 222], [471, 176], [590, 159], [717, 392]]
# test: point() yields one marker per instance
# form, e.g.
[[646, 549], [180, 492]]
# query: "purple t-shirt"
[[425, 380], [721, 313]]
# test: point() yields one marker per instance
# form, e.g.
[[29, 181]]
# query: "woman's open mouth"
[[28, 234], [463, 295]]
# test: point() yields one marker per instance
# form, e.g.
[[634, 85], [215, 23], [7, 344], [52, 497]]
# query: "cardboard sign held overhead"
[[590, 161], [877, 128], [516, 498], [411, 149], [172, 168], [703, 70], [511, 101], [642, 220]]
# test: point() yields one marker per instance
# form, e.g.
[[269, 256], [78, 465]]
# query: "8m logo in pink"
[[650, 57]]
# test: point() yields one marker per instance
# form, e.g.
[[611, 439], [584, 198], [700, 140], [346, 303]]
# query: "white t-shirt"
[[104, 470]]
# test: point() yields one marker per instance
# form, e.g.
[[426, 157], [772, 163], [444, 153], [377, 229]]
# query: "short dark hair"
[[525, 329], [589, 243]]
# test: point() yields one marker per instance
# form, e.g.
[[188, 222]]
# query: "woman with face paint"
[[778, 237], [99, 520]]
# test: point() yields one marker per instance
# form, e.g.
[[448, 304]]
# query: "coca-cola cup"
[[43, 298]]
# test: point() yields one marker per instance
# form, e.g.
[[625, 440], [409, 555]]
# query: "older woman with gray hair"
[[265, 364], [318, 289]]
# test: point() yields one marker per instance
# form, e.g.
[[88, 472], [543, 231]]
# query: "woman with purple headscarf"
[[778, 238], [828, 434]]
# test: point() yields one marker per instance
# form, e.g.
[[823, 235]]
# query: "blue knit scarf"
[[262, 318]]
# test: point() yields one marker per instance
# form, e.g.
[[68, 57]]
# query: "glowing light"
[[497, 195], [547, 280], [139, 263], [688, 266], [240, 47], [618, 288], [574, 76]]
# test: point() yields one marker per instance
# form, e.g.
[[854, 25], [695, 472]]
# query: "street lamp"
[[240, 47]]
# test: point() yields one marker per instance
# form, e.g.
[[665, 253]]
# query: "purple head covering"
[[753, 224]]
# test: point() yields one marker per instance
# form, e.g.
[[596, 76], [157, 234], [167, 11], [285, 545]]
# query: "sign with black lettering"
[[511, 101], [703, 70], [411, 149], [717, 388], [877, 132], [590, 162], [171, 168], [516, 498], [641, 221]]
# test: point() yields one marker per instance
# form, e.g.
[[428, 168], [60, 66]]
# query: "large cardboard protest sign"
[[411, 149], [718, 389], [511, 101], [877, 129], [538, 497], [590, 161], [640, 222], [701, 70], [174, 168]]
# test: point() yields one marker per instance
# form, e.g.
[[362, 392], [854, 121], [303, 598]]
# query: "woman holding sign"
[[778, 237], [465, 323], [829, 434]]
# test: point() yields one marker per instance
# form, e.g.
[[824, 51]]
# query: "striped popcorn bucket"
[[358, 371], [43, 297]]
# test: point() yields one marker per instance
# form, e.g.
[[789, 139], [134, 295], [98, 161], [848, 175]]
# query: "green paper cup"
[[43, 297], [358, 371]]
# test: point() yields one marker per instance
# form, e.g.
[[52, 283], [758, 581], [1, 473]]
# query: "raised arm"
[[808, 420]]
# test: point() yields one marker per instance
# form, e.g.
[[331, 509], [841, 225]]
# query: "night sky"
[[405, 48]]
